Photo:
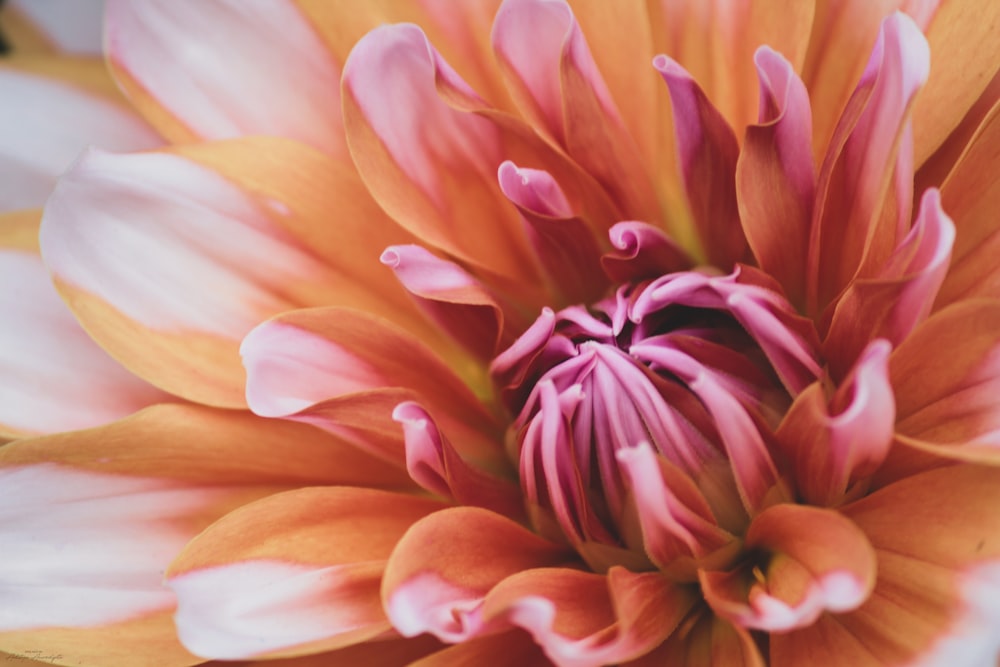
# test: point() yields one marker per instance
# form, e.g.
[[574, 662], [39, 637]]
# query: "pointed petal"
[[457, 302], [950, 406], [970, 195], [552, 76], [864, 189], [775, 175], [895, 301], [708, 152], [53, 377], [444, 566], [233, 73], [50, 123], [829, 567], [295, 572], [167, 265]]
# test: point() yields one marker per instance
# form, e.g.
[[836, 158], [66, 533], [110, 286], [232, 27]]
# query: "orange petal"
[[705, 640], [506, 649], [297, 572], [445, 565], [971, 195], [376, 653]]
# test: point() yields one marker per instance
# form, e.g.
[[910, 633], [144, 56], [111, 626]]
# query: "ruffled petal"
[[232, 73], [297, 572], [642, 251], [50, 123], [167, 265], [444, 566]]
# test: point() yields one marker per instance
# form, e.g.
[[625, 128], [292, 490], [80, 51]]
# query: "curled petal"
[[833, 445], [298, 571], [642, 251], [456, 301], [565, 247], [245, 79], [891, 304], [775, 175], [435, 465], [445, 565], [708, 152], [829, 566]]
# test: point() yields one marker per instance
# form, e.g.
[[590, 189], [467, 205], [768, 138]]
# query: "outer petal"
[[951, 407], [73, 28], [232, 73], [506, 649], [53, 377], [775, 175], [168, 265], [931, 533], [443, 567], [296, 572], [971, 195], [49, 123]]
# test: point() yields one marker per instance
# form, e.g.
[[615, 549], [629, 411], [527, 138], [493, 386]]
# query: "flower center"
[[695, 367]]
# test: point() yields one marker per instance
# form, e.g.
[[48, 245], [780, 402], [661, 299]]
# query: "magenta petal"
[[562, 241], [455, 300], [642, 251], [435, 465], [708, 153], [893, 302]]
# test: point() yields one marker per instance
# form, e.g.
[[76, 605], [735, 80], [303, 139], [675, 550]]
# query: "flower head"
[[667, 337]]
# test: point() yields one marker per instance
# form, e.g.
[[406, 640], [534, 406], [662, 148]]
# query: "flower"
[[648, 372]]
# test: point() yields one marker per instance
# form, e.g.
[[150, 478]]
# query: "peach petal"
[[705, 640], [246, 79], [807, 573], [150, 248], [836, 442], [775, 174], [584, 619], [864, 188], [53, 377], [54, 122], [314, 559], [506, 649], [445, 564], [899, 297], [708, 152], [459, 304]]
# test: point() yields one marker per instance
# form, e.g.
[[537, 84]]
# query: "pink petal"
[[642, 251], [74, 28], [836, 442], [53, 377], [891, 304], [458, 303], [708, 152], [156, 252], [232, 73], [865, 185], [434, 464], [552, 75], [562, 241], [775, 175], [50, 124]]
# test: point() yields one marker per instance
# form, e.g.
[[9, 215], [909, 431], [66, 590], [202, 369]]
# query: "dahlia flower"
[[556, 332]]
